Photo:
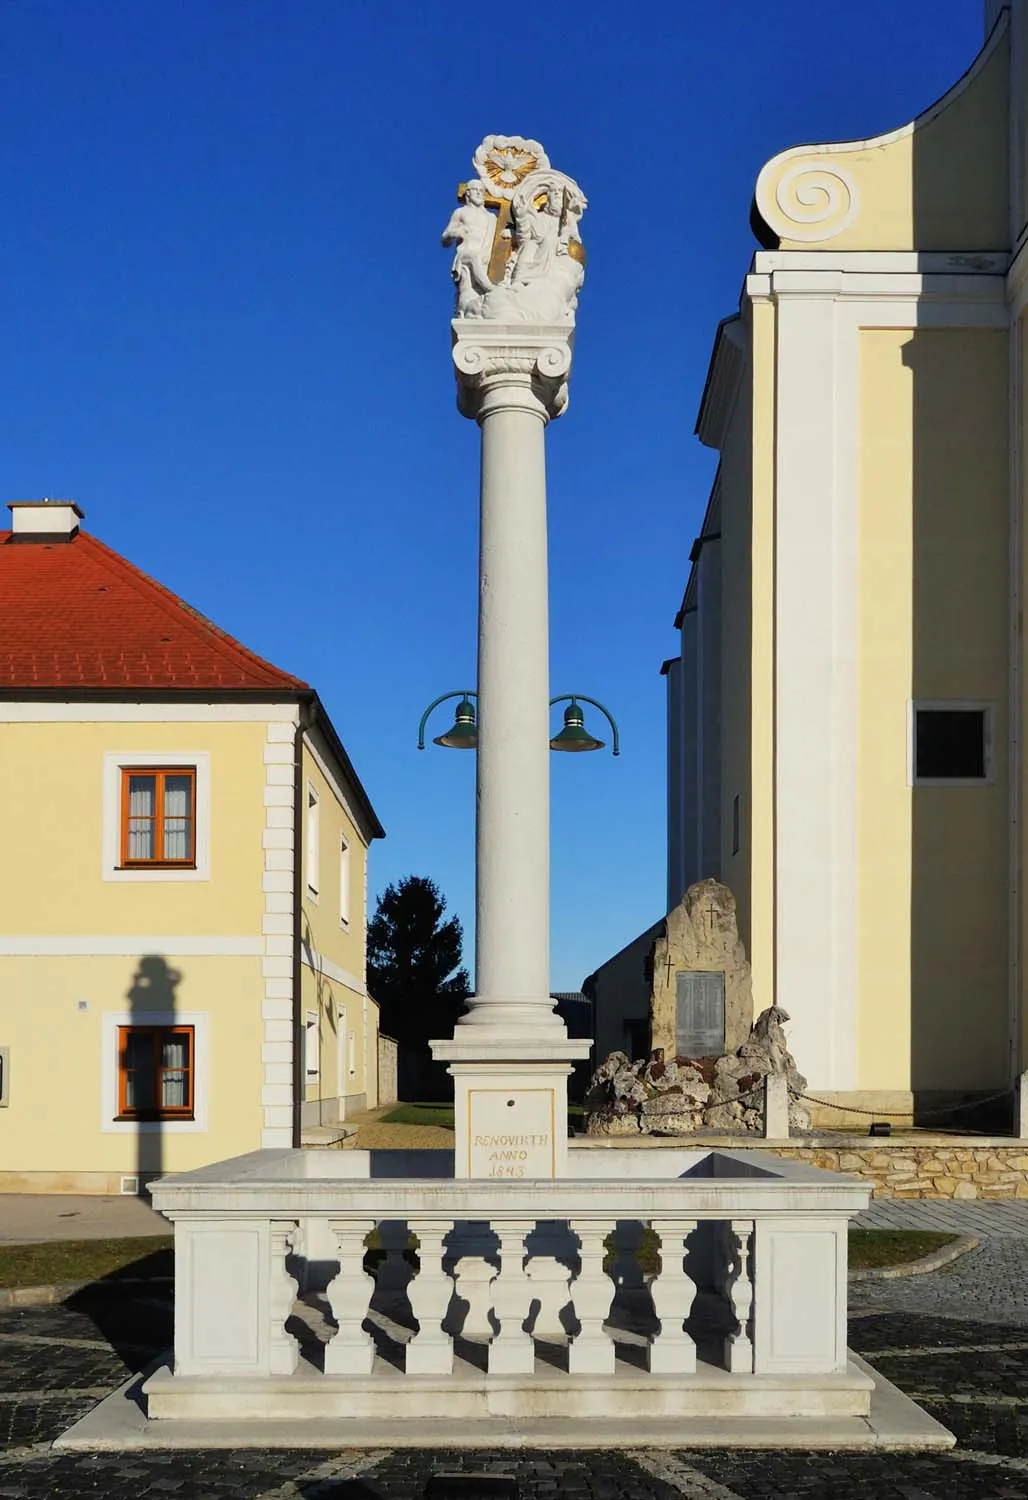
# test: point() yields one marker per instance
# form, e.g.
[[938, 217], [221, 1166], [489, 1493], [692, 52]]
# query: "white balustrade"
[[672, 1351], [512, 1351], [430, 1351], [283, 1348], [349, 1293], [738, 1292], [768, 1237], [592, 1350]]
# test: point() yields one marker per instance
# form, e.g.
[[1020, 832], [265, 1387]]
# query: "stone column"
[[510, 1054]]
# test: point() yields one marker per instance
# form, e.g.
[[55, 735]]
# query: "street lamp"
[[574, 735], [463, 734]]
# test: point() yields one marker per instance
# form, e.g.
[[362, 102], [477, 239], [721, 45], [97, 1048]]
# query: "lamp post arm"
[[581, 698], [443, 698]]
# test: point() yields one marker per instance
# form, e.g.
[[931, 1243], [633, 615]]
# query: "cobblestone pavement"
[[957, 1341], [1005, 1216]]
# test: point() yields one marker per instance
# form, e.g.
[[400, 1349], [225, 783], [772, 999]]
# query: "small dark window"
[[950, 744], [735, 824]]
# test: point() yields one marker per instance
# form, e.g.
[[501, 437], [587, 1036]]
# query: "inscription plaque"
[[699, 1013], [510, 1133]]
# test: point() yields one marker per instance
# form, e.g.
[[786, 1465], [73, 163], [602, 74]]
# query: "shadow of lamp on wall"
[[157, 1066]]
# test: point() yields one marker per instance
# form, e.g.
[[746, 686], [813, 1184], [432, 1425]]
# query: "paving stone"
[[956, 1340]]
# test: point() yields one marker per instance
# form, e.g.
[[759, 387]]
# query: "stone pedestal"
[[776, 1107]]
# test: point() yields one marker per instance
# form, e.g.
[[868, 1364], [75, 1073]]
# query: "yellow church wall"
[[52, 791], [937, 184], [63, 1065], [932, 860], [761, 818]]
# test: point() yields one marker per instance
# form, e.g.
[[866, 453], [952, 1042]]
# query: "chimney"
[[44, 520]]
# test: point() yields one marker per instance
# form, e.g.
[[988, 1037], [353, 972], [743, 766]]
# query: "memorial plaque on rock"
[[701, 1000], [699, 1013]]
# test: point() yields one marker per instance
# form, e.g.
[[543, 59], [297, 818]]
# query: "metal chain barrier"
[[899, 1114]]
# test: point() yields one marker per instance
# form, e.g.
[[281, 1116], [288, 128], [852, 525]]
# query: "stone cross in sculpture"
[[518, 274]]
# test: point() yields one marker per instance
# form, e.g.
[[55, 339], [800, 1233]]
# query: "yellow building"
[[846, 709], [182, 881], [846, 706]]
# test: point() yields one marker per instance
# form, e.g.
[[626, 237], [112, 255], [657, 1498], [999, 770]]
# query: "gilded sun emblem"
[[503, 161]]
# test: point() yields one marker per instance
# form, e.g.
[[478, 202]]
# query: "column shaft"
[[512, 944]]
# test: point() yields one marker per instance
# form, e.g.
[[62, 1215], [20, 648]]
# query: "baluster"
[[349, 1293], [672, 1351], [551, 1288], [473, 1275], [738, 1290], [592, 1351], [394, 1271], [512, 1351], [430, 1351], [283, 1348]]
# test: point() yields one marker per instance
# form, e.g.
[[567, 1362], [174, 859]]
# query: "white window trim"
[[312, 842], [115, 761], [971, 705], [311, 1033], [345, 881], [5, 1077], [110, 1021]]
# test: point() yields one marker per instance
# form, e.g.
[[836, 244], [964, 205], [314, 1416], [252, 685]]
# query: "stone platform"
[[547, 1412]]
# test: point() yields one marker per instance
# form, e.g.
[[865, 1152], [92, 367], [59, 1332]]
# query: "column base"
[[510, 1104]]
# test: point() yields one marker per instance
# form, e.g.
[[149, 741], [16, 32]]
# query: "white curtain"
[[177, 821], [175, 1078], [141, 817]]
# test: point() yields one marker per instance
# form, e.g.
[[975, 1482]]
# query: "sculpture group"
[[533, 236]]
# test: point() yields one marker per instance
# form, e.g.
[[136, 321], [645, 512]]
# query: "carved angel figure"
[[471, 229], [546, 266]]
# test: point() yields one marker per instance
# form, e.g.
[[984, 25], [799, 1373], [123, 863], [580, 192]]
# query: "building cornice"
[[728, 363]]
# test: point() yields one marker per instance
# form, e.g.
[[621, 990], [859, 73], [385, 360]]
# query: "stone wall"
[[930, 1167], [907, 1166]]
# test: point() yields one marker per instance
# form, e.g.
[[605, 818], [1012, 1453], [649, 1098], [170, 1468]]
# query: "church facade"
[[846, 711]]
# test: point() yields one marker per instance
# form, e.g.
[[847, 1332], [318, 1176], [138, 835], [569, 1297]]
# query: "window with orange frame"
[[158, 817]]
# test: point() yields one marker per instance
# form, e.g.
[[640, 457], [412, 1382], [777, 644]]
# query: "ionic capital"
[[511, 365]]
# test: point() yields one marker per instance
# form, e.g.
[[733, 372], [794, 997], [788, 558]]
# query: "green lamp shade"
[[464, 734], [574, 735]]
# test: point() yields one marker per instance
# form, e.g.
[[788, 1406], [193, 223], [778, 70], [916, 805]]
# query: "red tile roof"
[[73, 614]]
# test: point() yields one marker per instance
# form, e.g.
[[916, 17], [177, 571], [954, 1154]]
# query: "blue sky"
[[225, 332]]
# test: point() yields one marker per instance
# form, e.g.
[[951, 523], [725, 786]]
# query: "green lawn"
[[84, 1260], [873, 1248], [420, 1114]]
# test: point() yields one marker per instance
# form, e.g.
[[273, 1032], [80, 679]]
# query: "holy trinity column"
[[518, 267]]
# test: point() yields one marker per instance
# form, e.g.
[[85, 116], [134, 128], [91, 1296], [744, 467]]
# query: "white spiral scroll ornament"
[[810, 201]]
